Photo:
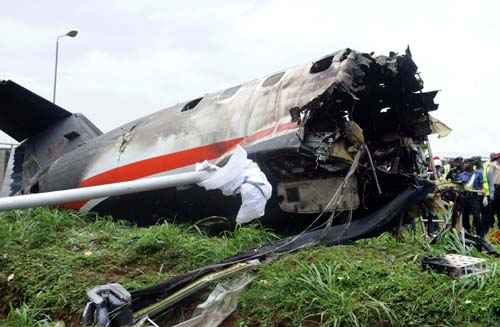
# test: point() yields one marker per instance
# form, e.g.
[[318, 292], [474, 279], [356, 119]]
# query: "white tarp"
[[240, 176]]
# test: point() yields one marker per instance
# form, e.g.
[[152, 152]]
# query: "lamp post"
[[70, 34]]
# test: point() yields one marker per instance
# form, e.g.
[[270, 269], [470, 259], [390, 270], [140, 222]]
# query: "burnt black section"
[[321, 65], [381, 94], [47, 132], [194, 204], [24, 114], [174, 205], [279, 144], [191, 104], [383, 97]]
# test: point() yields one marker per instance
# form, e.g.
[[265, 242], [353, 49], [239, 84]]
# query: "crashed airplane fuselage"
[[302, 126]]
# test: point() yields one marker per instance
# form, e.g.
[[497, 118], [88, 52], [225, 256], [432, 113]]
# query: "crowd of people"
[[480, 199]]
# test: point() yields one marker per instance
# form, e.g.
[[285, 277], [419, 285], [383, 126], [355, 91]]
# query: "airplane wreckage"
[[303, 128], [332, 148]]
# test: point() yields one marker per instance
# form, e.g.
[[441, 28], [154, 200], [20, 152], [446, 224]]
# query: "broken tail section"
[[45, 132]]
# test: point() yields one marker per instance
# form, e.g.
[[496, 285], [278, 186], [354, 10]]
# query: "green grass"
[[373, 282], [49, 258]]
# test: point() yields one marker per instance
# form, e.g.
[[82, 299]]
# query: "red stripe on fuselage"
[[171, 161], [161, 163]]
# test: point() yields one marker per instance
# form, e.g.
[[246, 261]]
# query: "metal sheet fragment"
[[220, 304]]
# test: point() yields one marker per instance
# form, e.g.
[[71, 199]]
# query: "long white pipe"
[[94, 192]]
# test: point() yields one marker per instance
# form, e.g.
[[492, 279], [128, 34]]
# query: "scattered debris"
[[111, 303], [104, 301], [155, 300], [455, 265]]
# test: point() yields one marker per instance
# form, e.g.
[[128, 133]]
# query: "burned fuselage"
[[303, 126]]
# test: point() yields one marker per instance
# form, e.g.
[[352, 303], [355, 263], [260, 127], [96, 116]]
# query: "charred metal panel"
[[68, 170], [236, 113], [313, 196], [37, 154], [288, 142]]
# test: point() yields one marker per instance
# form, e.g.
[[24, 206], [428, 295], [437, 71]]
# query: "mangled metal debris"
[[103, 301], [221, 303], [218, 306], [112, 305]]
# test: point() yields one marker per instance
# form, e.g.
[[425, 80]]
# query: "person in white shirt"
[[494, 178]]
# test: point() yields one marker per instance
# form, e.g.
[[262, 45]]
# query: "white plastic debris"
[[240, 175]]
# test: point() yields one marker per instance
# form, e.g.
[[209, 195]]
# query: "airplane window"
[[273, 79], [229, 92], [191, 104], [321, 65]]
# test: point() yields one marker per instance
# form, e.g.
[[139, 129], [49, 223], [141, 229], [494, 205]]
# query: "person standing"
[[487, 218], [456, 167], [473, 183], [494, 178]]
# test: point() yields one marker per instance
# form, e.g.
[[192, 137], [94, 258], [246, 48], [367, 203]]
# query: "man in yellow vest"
[[487, 218]]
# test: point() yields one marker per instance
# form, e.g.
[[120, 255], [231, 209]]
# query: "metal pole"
[[100, 191], [72, 33], [55, 71]]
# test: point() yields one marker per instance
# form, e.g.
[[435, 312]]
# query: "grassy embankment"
[[49, 258]]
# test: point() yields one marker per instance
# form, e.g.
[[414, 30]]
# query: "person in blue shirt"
[[473, 182]]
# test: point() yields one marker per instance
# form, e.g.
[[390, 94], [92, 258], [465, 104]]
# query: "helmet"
[[437, 161]]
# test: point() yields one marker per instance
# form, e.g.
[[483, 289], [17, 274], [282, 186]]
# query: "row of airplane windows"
[[318, 66]]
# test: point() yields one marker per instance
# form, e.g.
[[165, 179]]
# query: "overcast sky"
[[134, 57]]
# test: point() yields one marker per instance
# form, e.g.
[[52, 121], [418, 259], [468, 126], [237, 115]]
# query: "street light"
[[70, 34]]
